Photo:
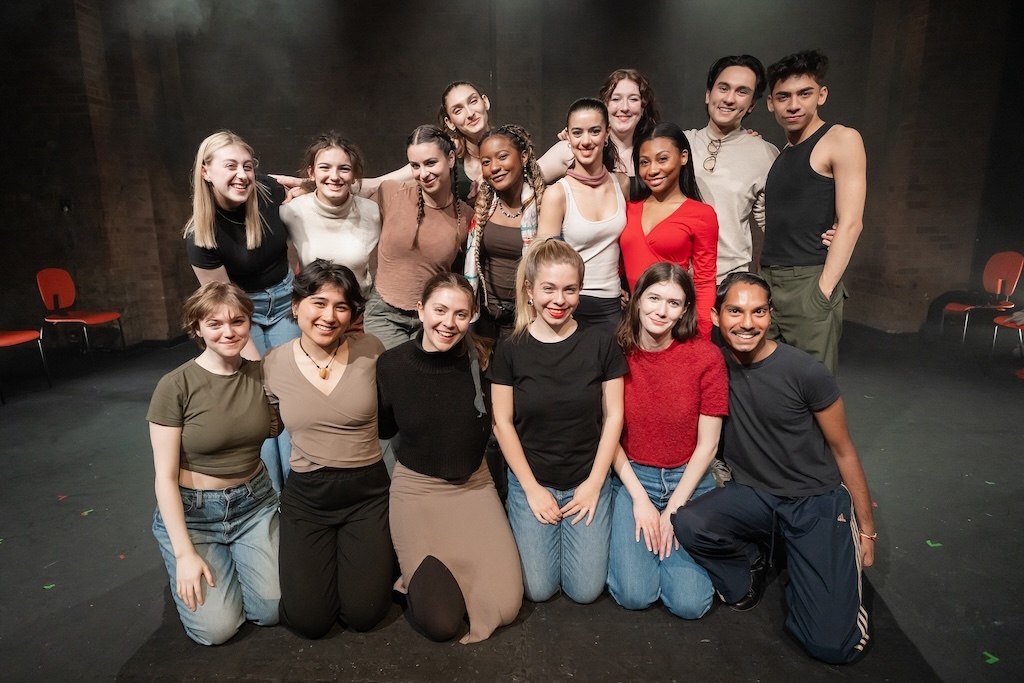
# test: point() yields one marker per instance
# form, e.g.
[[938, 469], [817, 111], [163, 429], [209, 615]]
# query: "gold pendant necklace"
[[325, 370]]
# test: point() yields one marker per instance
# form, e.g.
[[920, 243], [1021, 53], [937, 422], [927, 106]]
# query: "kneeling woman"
[[676, 395], [336, 554], [454, 544], [216, 518], [557, 403]]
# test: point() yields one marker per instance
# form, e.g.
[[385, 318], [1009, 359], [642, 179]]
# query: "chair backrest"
[[1005, 266], [56, 287]]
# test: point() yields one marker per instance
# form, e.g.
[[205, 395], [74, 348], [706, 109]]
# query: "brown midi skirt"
[[464, 526]]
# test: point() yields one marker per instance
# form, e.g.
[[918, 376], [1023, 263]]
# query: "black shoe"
[[758, 579]]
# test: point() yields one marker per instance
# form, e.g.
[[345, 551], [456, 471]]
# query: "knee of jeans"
[[583, 595], [688, 605], [215, 631], [265, 613], [632, 598], [539, 591], [687, 527]]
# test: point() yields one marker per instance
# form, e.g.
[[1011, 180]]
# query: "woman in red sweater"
[[664, 453], [671, 222]]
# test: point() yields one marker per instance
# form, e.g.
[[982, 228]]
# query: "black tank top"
[[800, 204]]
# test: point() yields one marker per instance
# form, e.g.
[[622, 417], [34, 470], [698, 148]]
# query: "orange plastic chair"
[[58, 292], [1002, 272], [1004, 321], [23, 337]]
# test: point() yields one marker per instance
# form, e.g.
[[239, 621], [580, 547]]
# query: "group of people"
[[497, 369]]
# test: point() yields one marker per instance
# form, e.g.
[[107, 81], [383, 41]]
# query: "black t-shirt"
[[771, 439], [556, 391], [250, 269]]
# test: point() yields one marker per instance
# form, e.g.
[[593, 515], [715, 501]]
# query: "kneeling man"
[[796, 475]]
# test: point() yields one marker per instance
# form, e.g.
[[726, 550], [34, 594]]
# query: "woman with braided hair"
[[507, 204], [424, 226], [463, 115]]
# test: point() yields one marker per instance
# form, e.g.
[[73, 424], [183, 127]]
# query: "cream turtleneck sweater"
[[346, 234]]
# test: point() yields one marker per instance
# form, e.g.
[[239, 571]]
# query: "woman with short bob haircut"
[[216, 518], [676, 395], [336, 553]]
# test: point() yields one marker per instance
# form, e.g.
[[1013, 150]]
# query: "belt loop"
[[199, 498]]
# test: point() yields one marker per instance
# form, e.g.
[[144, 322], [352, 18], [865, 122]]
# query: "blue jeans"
[[273, 325], [573, 558], [272, 321], [235, 531], [636, 576]]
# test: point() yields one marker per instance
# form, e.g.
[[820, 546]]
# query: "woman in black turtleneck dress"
[[453, 540]]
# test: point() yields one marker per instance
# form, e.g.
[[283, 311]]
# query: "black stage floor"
[[84, 595]]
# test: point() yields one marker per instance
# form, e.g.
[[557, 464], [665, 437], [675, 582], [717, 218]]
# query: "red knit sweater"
[[666, 392]]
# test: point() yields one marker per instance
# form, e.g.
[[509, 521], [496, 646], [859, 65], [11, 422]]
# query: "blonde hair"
[[202, 225], [207, 299], [541, 254]]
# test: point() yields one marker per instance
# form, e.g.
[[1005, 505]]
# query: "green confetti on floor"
[[933, 545], [990, 658], [49, 586]]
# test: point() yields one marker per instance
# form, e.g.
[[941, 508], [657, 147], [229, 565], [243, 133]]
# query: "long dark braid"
[[431, 134], [520, 139]]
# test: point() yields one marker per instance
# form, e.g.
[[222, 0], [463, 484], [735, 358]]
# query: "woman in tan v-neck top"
[[336, 552]]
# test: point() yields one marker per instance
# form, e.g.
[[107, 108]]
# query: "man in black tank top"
[[817, 182]]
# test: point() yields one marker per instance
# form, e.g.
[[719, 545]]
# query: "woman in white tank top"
[[588, 210]]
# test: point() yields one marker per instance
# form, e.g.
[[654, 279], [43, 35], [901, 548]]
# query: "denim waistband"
[[255, 487]]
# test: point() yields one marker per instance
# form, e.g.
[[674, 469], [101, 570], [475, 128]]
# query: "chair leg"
[[46, 367], [995, 331], [963, 336], [88, 346], [1020, 342], [3, 401], [124, 346]]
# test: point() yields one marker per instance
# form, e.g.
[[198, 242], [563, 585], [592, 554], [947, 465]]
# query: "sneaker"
[[758, 579]]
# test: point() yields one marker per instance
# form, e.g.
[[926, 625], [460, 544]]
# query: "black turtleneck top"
[[430, 399]]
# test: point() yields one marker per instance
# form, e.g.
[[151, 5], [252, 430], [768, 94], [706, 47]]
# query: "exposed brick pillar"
[[930, 118], [122, 97]]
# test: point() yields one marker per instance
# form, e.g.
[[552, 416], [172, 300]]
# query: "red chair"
[[1002, 272], [23, 337], [58, 292], [1006, 321]]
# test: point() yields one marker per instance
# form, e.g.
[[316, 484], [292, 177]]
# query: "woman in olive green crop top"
[[216, 517]]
